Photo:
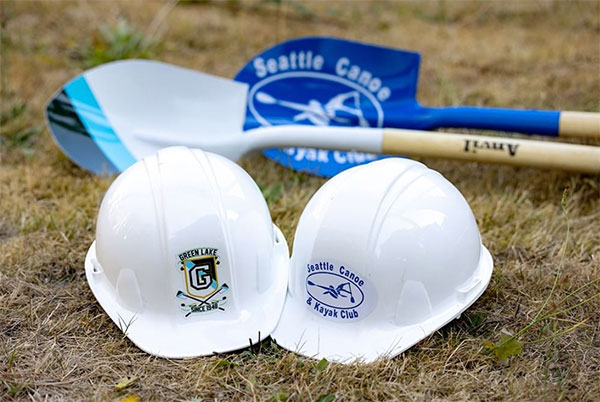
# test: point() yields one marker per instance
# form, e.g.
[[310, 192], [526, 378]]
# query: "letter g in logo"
[[201, 276]]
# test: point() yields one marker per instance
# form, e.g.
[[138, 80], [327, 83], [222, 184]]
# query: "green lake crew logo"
[[199, 267]]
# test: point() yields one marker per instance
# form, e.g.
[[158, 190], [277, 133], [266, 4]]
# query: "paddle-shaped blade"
[[117, 113], [326, 82]]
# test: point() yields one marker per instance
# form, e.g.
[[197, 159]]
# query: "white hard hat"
[[384, 255], [186, 260]]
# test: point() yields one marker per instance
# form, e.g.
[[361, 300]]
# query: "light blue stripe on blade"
[[97, 124]]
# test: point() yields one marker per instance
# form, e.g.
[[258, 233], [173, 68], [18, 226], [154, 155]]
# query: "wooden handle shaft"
[[579, 124], [541, 154]]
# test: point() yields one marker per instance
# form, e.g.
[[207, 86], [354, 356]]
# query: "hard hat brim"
[[165, 336], [304, 332]]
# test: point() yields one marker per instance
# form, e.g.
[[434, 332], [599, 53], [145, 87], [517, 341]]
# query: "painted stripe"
[[71, 136], [96, 123]]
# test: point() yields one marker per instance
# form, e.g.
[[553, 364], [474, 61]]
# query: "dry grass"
[[55, 341]]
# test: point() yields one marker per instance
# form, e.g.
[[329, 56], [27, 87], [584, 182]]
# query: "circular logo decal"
[[314, 98], [336, 293], [334, 290]]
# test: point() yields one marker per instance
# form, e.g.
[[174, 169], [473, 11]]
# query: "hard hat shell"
[[384, 255], [187, 261]]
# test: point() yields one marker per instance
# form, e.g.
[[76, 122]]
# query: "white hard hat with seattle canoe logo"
[[384, 255]]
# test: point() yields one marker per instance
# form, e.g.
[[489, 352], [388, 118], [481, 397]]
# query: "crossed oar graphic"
[[317, 113], [336, 292], [181, 294]]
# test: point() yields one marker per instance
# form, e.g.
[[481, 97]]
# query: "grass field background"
[[542, 227]]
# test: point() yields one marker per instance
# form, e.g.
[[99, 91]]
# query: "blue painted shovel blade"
[[328, 83]]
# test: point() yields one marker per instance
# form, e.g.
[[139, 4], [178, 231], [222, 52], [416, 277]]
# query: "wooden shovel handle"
[[541, 154], [579, 124]]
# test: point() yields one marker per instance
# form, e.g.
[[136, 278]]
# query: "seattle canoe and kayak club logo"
[[342, 97], [202, 292], [337, 293], [305, 87]]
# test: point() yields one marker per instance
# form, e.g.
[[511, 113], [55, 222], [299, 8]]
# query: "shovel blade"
[[117, 113], [328, 82]]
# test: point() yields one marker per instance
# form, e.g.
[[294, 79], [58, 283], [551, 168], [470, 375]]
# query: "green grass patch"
[[116, 42]]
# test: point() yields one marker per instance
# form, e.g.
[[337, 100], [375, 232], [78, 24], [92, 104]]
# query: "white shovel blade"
[[148, 103]]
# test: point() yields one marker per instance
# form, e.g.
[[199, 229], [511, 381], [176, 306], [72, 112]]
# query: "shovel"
[[350, 83], [392, 76], [117, 113]]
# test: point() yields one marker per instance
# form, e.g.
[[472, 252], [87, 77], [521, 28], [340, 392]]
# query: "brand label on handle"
[[473, 146]]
